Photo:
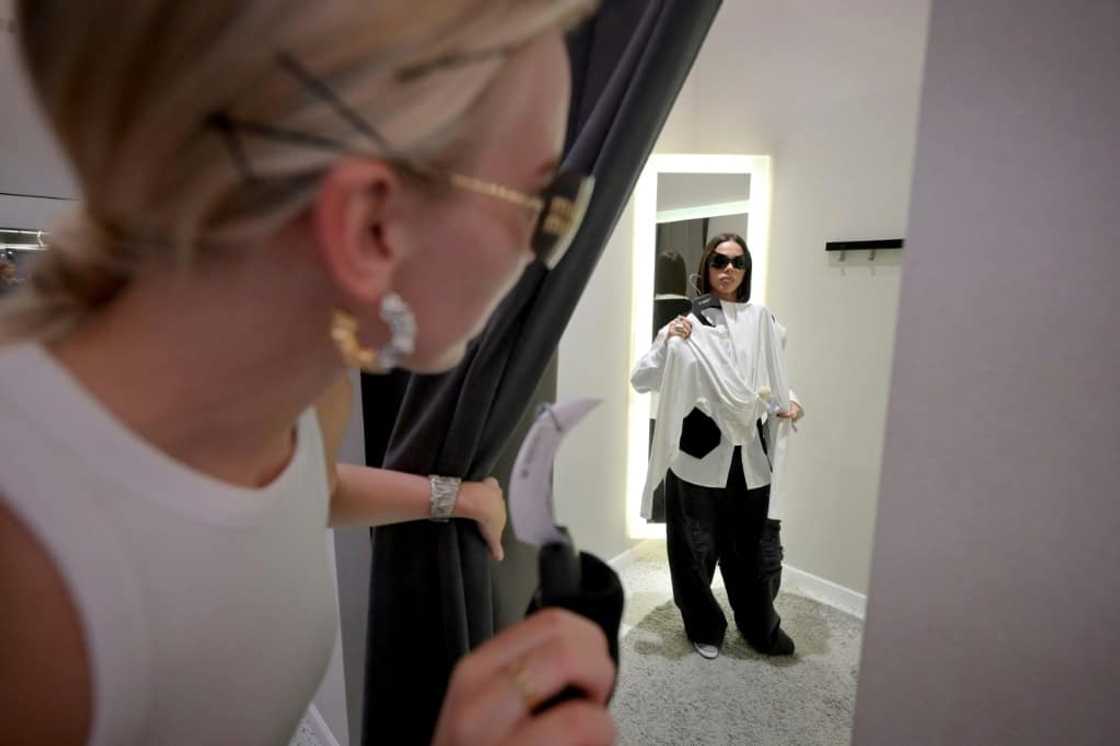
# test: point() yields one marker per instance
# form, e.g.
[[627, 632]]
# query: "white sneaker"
[[711, 652]]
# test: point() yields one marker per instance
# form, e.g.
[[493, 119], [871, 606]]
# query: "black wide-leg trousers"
[[726, 526]]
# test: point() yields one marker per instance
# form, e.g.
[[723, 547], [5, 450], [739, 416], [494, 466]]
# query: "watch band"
[[445, 491]]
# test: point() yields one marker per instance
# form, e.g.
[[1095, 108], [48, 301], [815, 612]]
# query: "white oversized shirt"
[[719, 371]]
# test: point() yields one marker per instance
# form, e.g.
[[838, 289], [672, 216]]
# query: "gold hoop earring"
[[344, 332]]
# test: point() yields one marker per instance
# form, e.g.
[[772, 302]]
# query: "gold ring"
[[519, 677]]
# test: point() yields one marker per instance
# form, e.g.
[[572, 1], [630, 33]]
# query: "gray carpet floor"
[[305, 736], [667, 694]]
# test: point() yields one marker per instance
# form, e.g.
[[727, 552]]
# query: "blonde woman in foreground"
[[272, 191]]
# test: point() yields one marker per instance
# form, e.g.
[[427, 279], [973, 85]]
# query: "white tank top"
[[208, 610]]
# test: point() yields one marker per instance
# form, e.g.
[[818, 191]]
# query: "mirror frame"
[[643, 261]]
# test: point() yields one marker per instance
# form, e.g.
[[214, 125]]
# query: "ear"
[[357, 201]]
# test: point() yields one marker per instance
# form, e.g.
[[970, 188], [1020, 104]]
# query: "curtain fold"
[[431, 592]]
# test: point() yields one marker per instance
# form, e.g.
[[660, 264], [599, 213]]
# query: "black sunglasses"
[[720, 261], [559, 208]]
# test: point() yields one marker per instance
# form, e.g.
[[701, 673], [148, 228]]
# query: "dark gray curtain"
[[432, 593]]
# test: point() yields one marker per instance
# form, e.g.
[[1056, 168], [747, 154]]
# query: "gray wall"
[[352, 562], [30, 163], [994, 611], [677, 191]]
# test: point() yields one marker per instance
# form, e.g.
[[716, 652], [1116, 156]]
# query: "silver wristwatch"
[[445, 491]]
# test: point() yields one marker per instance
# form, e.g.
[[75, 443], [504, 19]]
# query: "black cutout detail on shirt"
[[699, 434]]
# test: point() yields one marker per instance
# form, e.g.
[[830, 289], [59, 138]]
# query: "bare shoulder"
[[45, 678]]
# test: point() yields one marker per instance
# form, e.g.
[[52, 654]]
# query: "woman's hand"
[[483, 502], [680, 327], [494, 691], [793, 414]]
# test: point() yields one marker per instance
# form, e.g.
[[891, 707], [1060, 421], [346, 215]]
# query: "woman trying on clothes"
[[273, 191], [717, 486]]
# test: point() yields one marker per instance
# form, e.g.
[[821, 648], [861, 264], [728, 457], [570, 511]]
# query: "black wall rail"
[[872, 246]]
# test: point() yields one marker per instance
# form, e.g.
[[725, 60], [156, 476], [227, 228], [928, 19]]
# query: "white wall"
[[833, 97], [590, 475], [994, 615]]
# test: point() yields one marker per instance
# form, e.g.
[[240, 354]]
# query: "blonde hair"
[[192, 126]]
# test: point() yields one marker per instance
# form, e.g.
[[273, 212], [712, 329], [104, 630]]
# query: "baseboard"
[[319, 725], [794, 580], [620, 561], [825, 591]]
